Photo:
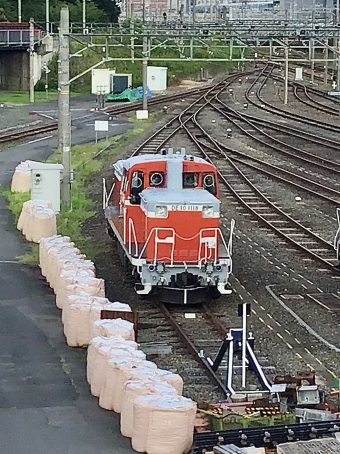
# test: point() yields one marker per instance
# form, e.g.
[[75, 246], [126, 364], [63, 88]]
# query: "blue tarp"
[[148, 92]]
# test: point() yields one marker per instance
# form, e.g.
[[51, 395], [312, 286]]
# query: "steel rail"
[[281, 112], [193, 350]]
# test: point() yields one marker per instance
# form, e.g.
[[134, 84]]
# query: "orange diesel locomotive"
[[164, 210]]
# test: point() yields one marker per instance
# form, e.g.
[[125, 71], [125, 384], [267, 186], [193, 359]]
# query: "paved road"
[[45, 404]]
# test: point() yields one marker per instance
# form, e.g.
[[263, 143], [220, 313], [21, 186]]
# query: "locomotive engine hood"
[[157, 203]]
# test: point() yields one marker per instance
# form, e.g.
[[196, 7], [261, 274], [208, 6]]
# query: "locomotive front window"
[[137, 184], [190, 179], [208, 180]]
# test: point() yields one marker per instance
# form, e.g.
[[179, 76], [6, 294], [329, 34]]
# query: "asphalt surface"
[[45, 403]]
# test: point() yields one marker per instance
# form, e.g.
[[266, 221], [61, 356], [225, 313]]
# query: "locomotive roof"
[[140, 159]]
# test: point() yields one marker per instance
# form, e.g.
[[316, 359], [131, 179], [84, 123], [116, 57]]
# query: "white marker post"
[[244, 342]]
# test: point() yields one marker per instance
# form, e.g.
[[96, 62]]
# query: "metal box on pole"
[[45, 183]]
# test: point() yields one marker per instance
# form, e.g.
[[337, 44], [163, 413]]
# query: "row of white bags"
[[21, 180], [37, 220], [153, 413]]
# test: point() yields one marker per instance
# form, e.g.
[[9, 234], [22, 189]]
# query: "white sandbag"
[[163, 424], [37, 219], [57, 258], [94, 286], [72, 277], [170, 378], [97, 342], [133, 389], [76, 289], [71, 295], [101, 362], [67, 248], [99, 306], [76, 326], [75, 263], [21, 180], [51, 249], [117, 369], [44, 224], [45, 244], [113, 328]]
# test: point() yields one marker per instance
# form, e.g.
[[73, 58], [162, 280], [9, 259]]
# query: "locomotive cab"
[[164, 209]]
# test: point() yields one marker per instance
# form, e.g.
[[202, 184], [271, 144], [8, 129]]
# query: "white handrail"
[[132, 229]]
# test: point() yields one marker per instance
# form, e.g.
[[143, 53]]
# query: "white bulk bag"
[[91, 285], [99, 306], [71, 264], [44, 224], [133, 389], [163, 424], [76, 326], [57, 271], [21, 180], [77, 289], [67, 248], [117, 369], [101, 361], [45, 244], [172, 379], [72, 277], [96, 343], [113, 328]]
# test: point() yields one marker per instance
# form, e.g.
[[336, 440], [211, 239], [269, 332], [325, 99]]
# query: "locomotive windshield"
[[190, 179], [137, 184]]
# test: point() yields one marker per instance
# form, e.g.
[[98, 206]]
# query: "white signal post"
[[244, 343]]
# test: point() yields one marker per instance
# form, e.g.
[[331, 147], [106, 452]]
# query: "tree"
[[110, 7]]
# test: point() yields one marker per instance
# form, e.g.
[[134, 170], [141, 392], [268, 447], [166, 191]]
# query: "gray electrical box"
[[45, 183]]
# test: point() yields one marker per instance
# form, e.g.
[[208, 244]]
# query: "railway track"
[[14, 136], [259, 102], [258, 204]]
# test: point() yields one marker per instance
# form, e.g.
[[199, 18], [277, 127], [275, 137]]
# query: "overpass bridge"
[[15, 54]]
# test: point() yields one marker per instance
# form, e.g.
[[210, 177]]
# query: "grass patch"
[[71, 220], [23, 97]]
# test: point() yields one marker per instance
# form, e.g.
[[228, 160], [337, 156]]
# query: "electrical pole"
[[48, 16], [285, 101], [31, 60], [145, 70], [64, 123], [84, 16], [244, 343], [326, 64], [19, 11]]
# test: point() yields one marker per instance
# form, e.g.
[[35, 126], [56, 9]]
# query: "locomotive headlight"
[[161, 211], [208, 212]]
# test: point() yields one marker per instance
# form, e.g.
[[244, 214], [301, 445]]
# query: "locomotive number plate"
[[185, 207]]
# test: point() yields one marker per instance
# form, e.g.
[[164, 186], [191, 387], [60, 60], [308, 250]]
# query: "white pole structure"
[[48, 16], [64, 118], [84, 16], [31, 60], [19, 11], [145, 70], [285, 101], [244, 343]]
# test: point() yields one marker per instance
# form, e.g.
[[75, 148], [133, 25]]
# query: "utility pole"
[[145, 70], [285, 101], [326, 64], [64, 121], [48, 16], [132, 39], [31, 60], [84, 16], [19, 11], [338, 81], [143, 12]]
